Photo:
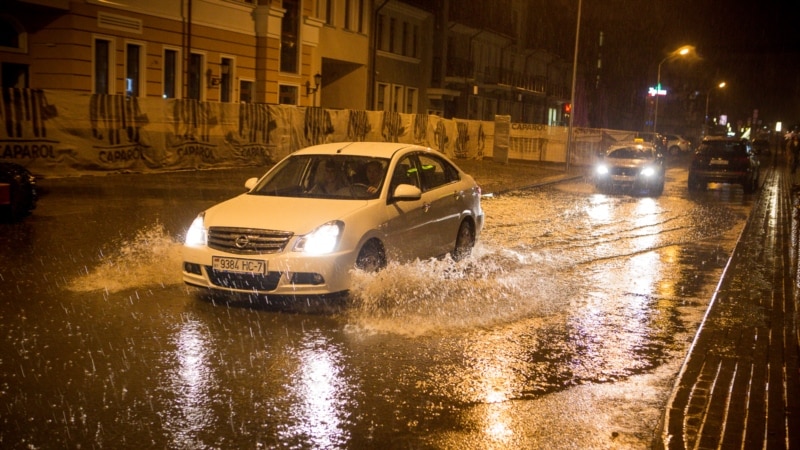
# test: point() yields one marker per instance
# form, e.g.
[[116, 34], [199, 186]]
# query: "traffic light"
[[567, 108]]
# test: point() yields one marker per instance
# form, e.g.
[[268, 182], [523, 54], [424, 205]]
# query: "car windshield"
[[325, 176], [722, 147], [633, 152]]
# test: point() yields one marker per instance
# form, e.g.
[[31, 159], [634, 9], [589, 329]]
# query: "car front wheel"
[[372, 256]]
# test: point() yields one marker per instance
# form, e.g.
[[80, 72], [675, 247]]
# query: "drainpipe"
[[187, 40]]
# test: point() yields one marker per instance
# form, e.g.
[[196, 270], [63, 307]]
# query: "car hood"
[[620, 162], [298, 215]]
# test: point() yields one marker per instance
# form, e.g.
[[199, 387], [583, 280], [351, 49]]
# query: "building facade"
[[470, 59]]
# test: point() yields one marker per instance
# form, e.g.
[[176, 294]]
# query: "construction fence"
[[64, 133]]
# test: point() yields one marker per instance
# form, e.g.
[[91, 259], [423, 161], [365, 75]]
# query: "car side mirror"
[[250, 183], [406, 192]]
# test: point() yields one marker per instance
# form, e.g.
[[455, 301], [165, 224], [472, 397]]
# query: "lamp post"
[[681, 51], [705, 117], [572, 94]]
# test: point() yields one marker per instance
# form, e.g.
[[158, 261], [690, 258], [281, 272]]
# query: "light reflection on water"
[[320, 395], [557, 294], [191, 383]]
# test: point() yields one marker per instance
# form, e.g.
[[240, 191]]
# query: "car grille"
[[626, 171], [245, 281], [247, 240]]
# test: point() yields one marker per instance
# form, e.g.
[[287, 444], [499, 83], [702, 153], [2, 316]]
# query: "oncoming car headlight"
[[648, 171], [322, 240], [196, 234], [602, 169]]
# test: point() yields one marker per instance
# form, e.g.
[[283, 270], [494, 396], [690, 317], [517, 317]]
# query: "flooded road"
[[574, 313]]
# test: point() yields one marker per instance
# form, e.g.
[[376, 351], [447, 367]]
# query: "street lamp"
[[312, 90], [681, 51], [705, 117]]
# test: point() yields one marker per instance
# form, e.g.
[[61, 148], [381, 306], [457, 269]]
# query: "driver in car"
[[374, 176]]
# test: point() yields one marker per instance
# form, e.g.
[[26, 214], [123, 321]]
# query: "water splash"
[[440, 296], [151, 258]]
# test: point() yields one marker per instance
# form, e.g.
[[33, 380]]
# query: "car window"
[[405, 172], [723, 147], [436, 172]]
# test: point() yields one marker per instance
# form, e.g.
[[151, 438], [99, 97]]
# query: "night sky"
[[753, 46]]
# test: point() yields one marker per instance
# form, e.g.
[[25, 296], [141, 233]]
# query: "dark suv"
[[724, 160]]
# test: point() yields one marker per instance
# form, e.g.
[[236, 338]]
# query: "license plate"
[[239, 265], [719, 162]]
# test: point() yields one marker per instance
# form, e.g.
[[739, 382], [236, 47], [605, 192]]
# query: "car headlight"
[[196, 234], [602, 169], [322, 240], [648, 171]]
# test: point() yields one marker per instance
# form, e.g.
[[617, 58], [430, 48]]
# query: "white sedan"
[[325, 210]]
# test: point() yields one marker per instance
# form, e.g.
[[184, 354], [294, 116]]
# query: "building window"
[[290, 27], [133, 70], [287, 95], [8, 36], [411, 100], [392, 30], [246, 91], [405, 44], [348, 14], [226, 80], [324, 10], [171, 71], [102, 66], [398, 36], [415, 41], [380, 97], [329, 12], [379, 29], [354, 15], [194, 80], [360, 16]]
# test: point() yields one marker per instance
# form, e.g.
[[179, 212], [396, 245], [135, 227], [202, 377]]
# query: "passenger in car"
[[329, 179]]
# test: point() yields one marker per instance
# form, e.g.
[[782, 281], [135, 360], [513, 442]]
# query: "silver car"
[[328, 209], [631, 166], [677, 144]]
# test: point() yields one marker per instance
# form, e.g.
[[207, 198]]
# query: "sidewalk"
[[739, 386], [495, 177]]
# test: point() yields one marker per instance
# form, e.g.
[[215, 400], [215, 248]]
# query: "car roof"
[[374, 149]]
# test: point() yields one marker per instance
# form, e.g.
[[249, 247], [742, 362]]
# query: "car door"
[[442, 202], [407, 223]]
